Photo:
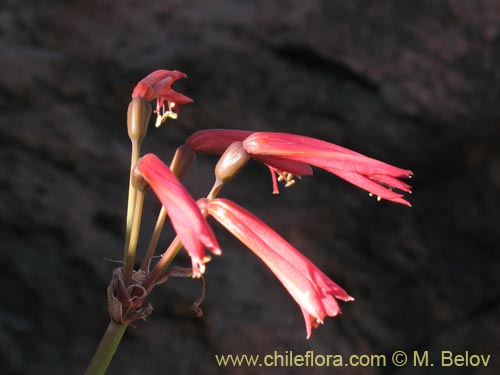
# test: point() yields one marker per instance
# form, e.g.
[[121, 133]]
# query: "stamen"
[[379, 198], [159, 120], [201, 271], [281, 176], [163, 115]]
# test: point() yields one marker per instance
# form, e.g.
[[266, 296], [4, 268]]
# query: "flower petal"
[[372, 175], [372, 186], [215, 141], [334, 157], [173, 96], [293, 142], [150, 86]]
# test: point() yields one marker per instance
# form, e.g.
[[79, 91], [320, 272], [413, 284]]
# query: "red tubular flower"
[[313, 291], [372, 175], [185, 215], [157, 85]]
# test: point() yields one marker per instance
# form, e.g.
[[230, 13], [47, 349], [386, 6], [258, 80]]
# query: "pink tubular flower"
[[157, 85], [290, 155], [372, 175], [313, 291], [185, 215]]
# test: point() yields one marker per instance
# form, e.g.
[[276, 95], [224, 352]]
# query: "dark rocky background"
[[416, 84]]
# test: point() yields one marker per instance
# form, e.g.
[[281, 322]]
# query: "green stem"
[[218, 185], [164, 262], [154, 239], [136, 151], [106, 349], [128, 264]]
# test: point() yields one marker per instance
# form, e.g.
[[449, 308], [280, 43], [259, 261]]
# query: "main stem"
[[132, 192], [114, 333], [106, 349], [128, 265]]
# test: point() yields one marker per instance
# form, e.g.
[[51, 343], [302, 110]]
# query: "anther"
[[163, 115]]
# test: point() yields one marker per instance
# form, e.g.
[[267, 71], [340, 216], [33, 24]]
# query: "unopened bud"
[[231, 161], [183, 158], [138, 180], [138, 115]]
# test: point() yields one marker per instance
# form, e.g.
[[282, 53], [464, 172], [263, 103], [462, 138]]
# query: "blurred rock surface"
[[416, 84]]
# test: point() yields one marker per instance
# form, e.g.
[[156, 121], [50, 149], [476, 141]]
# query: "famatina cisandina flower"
[[193, 230], [157, 85], [289, 155], [313, 291]]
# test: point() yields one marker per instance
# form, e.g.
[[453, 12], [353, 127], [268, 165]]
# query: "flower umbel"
[[157, 85], [313, 291], [187, 220], [286, 155]]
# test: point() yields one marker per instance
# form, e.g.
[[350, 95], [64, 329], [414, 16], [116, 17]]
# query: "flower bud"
[[231, 161], [183, 158], [138, 115]]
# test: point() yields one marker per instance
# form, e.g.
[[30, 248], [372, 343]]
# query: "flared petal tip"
[[345, 298], [401, 201], [216, 251], [211, 244]]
